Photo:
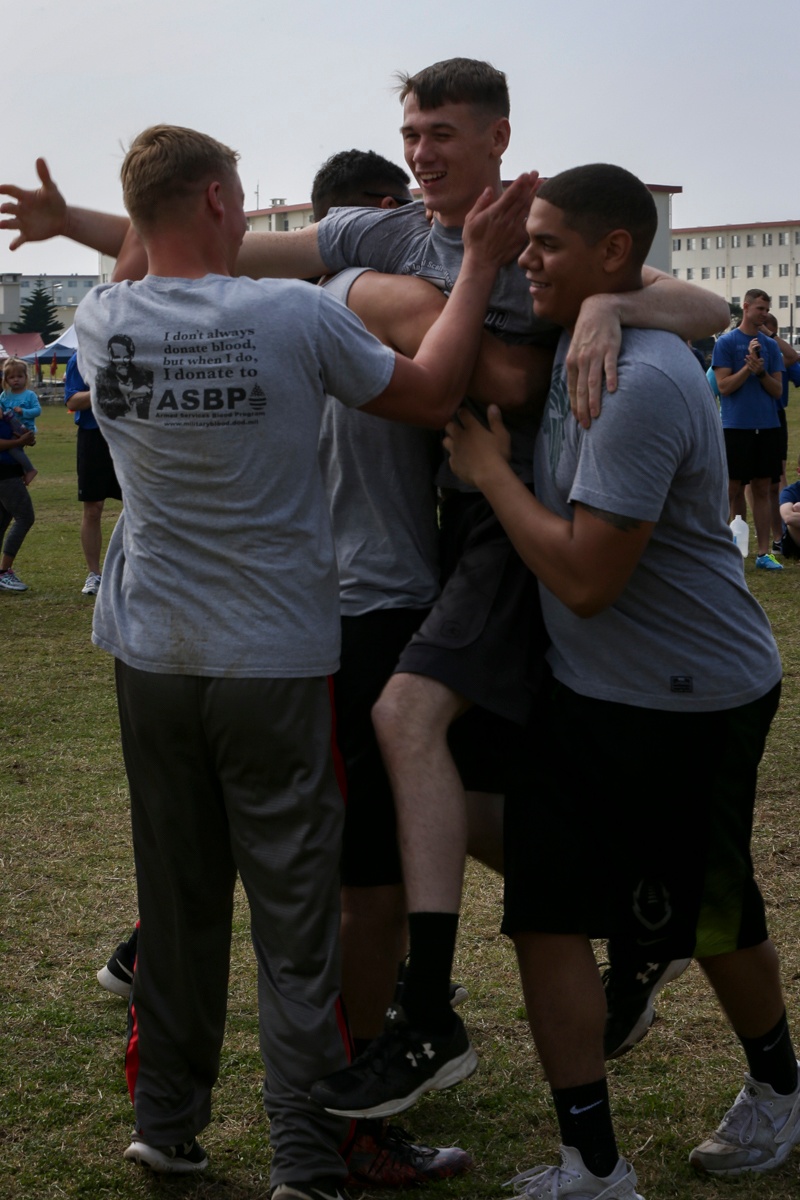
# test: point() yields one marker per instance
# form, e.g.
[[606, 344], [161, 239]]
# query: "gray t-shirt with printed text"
[[222, 562], [685, 634]]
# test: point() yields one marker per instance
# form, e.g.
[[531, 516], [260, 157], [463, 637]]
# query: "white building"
[[730, 259], [66, 292]]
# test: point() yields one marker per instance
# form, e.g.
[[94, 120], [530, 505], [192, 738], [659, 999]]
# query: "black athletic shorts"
[[639, 828], [96, 477], [485, 637], [489, 751], [754, 454]]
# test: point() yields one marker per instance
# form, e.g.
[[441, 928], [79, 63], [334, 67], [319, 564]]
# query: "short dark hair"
[[458, 81], [342, 181], [600, 197], [756, 294], [165, 164]]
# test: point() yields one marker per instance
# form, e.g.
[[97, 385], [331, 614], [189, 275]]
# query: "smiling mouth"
[[426, 177]]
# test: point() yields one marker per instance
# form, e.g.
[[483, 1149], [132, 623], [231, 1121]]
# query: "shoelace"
[[539, 1177], [743, 1118]]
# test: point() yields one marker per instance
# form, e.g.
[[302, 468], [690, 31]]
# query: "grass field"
[[67, 896]]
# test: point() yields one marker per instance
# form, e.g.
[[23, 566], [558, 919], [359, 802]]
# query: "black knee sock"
[[426, 986], [771, 1058], [584, 1118]]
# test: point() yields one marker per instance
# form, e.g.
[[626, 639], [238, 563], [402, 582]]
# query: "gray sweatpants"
[[232, 775]]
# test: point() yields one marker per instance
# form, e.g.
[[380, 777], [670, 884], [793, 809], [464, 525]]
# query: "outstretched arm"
[[291, 255], [662, 303], [401, 309], [42, 213]]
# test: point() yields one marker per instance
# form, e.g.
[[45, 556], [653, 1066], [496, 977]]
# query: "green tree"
[[736, 312], [38, 315]]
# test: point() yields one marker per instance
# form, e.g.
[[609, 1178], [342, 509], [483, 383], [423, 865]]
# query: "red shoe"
[[384, 1156]]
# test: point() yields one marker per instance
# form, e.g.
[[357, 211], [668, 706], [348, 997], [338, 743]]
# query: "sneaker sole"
[[450, 1073], [642, 1026], [148, 1156], [110, 982], [700, 1165]]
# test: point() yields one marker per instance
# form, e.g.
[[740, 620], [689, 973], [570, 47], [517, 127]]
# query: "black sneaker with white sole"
[[167, 1160], [396, 1069], [630, 993], [117, 975]]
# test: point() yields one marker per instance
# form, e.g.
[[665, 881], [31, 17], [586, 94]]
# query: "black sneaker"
[[629, 996], [167, 1160], [117, 975], [312, 1189], [396, 1069]]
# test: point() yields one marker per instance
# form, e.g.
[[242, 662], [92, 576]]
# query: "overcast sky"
[[696, 93]]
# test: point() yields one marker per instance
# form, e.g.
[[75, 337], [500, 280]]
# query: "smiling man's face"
[[454, 152], [561, 267]]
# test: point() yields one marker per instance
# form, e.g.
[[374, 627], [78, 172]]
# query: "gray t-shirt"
[[401, 241], [222, 562], [379, 481], [685, 634]]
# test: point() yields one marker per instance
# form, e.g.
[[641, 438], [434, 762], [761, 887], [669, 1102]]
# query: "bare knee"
[[414, 709]]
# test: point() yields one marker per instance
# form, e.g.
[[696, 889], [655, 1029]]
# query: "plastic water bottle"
[[741, 535]]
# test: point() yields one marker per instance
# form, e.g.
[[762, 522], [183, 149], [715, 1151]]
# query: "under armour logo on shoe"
[[426, 1052]]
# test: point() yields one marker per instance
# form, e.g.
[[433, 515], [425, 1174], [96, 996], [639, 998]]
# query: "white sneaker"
[[756, 1134], [92, 585], [572, 1178]]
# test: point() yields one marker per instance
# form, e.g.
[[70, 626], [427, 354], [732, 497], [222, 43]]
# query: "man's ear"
[[617, 248], [388, 202], [501, 136], [214, 199]]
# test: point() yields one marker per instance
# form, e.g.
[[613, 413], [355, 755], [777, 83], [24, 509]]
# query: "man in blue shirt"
[[747, 365]]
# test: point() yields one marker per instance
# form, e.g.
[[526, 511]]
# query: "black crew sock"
[[584, 1118], [426, 985], [771, 1058]]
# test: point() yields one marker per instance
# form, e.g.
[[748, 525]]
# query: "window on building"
[[751, 239], [766, 271], [720, 241], [690, 272], [735, 272], [797, 268], [783, 239], [736, 240], [705, 272], [25, 283], [676, 243], [766, 239], [676, 272], [285, 223], [72, 283], [736, 300], [783, 301], [784, 331], [751, 272], [720, 272], [87, 283], [797, 237], [691, 243], [705, 243], [783, 269]]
